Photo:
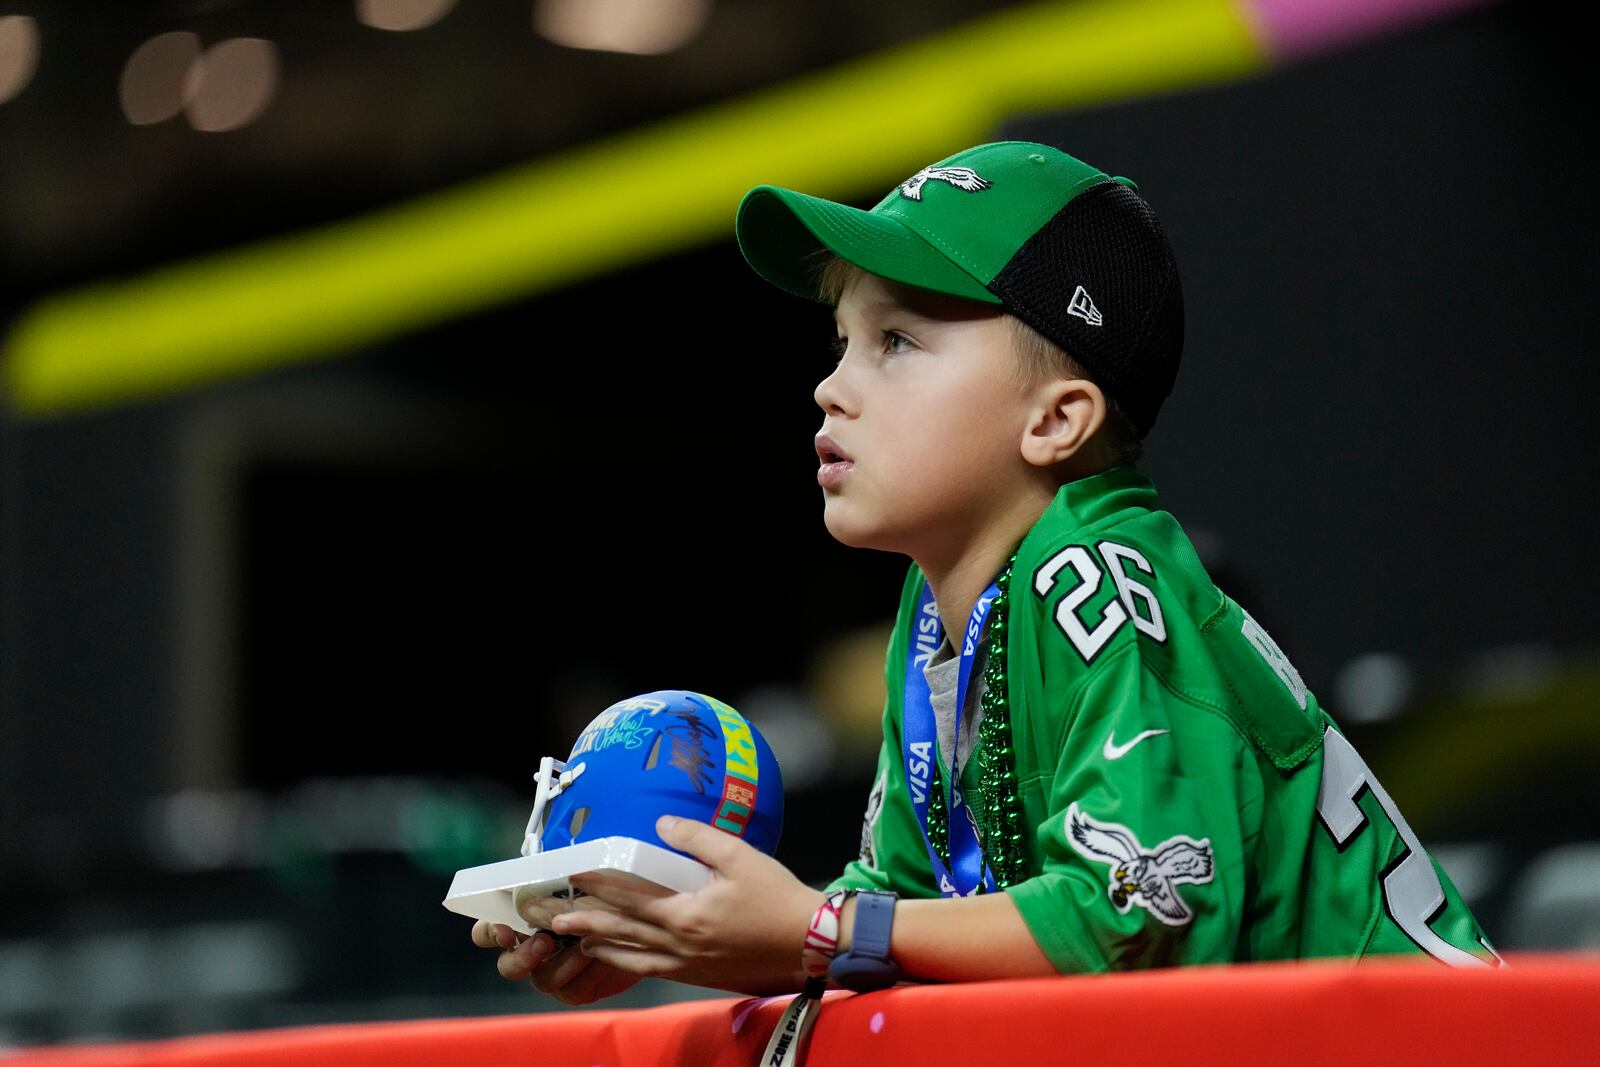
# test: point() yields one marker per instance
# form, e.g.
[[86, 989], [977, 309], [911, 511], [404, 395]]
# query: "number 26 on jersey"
[[1134, 601]]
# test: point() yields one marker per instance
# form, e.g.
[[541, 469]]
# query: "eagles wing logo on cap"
[[960, 177]]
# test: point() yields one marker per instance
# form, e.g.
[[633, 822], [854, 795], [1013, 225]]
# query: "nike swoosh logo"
[[1115, 751]]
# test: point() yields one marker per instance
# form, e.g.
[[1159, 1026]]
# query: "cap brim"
[[781, 233]]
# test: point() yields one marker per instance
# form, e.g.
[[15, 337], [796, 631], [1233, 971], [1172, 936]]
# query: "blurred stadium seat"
[[1555, 900]]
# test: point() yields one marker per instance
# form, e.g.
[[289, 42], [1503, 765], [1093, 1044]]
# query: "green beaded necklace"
[[1000, 826]]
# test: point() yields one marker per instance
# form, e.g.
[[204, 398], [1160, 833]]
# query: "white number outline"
[[1156, 626], [1413, 896], [1087, 642], [1091, 572], [1269, 651]]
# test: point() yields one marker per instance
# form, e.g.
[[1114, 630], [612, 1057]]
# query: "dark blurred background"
[[280, 647]]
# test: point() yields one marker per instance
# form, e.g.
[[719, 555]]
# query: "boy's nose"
[[829, 393], [823, 392]]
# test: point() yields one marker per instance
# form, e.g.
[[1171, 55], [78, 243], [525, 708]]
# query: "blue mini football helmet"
[[671, 752]]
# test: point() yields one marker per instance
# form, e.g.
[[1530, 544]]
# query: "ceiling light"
[[646, 27], [155, 80], [402, 14], [232, 84], [19, 54]]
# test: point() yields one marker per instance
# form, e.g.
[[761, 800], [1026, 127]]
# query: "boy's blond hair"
[[1037, 359]]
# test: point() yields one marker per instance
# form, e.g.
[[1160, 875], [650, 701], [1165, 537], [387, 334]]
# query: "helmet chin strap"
[[552, 777]]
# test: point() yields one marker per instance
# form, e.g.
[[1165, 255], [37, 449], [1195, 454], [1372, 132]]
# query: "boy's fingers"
[[621, 893], [630, 959], [594, 982], [553, 974], [486, 934], [519, 962], [538, 912], [704, 842], [616, 927], [535, 911]]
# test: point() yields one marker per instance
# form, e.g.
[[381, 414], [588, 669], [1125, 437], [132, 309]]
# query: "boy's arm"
[[958, 939]]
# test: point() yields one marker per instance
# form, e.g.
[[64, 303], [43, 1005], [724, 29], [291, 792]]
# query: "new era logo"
[[1084, 308]]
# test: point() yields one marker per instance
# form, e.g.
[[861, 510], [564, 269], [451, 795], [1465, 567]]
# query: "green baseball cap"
[[1069, 249]]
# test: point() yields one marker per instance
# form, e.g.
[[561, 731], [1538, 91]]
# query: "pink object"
[[750, 1006], [876, 1025], [1291, 29]]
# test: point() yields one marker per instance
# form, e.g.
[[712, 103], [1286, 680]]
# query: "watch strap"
[[873, 924], [867, 965]]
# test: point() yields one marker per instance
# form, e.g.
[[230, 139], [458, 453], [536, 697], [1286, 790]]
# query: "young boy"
[[1093, 758]]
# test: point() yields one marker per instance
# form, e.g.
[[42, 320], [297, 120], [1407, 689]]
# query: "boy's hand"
[[563, 972], [750, 920]]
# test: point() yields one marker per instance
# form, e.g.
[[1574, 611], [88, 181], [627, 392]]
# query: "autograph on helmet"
[[688, 742]]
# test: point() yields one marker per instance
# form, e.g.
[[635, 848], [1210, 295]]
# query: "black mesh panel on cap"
[[1105, 240]]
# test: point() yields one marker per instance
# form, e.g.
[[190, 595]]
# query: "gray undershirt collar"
[[943, 672]]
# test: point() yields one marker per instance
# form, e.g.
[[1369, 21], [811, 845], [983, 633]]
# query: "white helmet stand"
[[490, 891]]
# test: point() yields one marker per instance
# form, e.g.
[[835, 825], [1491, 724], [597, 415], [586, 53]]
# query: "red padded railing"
[[1541, 1009]]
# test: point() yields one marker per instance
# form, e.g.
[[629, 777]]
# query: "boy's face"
[[923, 404]]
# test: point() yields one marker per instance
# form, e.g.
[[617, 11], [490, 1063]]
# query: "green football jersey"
[[1190, 801]]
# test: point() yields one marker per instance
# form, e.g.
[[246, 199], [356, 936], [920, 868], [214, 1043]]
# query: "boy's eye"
[[890, 337]]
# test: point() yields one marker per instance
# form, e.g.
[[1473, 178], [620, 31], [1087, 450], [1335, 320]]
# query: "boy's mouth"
[[836, 465], [828, 451]]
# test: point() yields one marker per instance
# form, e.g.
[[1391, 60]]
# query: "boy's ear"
[[1067, 414]]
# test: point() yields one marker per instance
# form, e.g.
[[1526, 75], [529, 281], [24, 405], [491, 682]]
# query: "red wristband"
[[822, 939]]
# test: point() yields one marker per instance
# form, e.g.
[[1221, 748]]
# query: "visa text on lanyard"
[[919, 734]]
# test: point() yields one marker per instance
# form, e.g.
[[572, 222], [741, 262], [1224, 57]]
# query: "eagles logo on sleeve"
[[1148, 879]]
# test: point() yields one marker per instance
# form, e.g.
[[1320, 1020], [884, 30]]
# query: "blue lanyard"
[[919, 729]]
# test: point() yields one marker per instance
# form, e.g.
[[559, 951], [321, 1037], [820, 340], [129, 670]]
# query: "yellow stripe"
[[843, 133], [738, 743]]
